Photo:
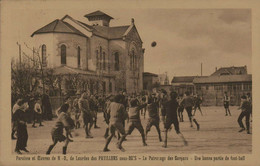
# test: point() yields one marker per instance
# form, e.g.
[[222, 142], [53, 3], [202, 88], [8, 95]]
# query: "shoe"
[[34, 126], [25, 150], [70, 140], [178, 132], [106, 150], [241, 130], [144, 144], [248, 132], [96, 127], [164, 146], [18, 151], [41, 125], [13, 138], [226, 114], [89, 136], [160, 139], [120, 148], [198, 127]]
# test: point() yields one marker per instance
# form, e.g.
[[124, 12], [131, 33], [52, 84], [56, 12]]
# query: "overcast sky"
[[185, 37]]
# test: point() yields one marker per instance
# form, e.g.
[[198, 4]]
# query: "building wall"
[[47, 39], [213, 93], [134, 80], [125, 79], [149, 81]]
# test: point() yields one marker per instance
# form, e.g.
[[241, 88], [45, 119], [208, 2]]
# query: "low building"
[[181, 84], [150, 81], [212, 88]]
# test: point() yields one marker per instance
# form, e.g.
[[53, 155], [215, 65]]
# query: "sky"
[[185, 37]]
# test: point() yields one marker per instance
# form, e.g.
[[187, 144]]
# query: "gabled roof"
[[58, 26], [98, 13], [224, 79], [61, 26], [230, 71]]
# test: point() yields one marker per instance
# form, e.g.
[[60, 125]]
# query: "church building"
[[109, 59]]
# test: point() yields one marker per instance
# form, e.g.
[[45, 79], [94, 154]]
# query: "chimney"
[[216, 68], [132, 21]]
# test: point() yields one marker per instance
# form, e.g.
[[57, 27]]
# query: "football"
[[153, 44]]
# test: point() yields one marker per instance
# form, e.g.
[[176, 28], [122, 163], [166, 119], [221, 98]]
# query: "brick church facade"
[[108, 59]]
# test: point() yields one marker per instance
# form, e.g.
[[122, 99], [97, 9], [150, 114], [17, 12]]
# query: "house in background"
[[109, 59], [212, 88], [230, 71], [233, 80], [150, 81], [181, 84]]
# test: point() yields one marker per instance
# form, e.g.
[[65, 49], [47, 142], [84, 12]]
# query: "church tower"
[[99, 18]]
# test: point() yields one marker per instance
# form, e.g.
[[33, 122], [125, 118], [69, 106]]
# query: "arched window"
[[97, 61], [132, 61], [44, 62], [63, 54], [116, 61], [110, 87], [100, 58], [104, 61], [78, 56]]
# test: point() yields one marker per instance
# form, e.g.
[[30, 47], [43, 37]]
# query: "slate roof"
[[58, 26], [97, 13], [230, 71], [224, 79]]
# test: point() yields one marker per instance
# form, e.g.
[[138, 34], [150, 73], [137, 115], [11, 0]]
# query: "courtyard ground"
[[218, 134]]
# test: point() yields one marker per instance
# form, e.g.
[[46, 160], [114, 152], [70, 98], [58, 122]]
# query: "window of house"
[[97, 60], [239, 86], [207, 87], [104, 87], [110, 87], [218, 87], [132, 60], [44, 58], [247, 86], [78, 56], [116, 61], [198, 88], [63, 54], [104, 61], [100, 58]]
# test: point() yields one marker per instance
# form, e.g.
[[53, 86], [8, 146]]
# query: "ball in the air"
[[153, 44]]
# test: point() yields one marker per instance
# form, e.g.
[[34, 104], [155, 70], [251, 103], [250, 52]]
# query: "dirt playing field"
[[218, 134]]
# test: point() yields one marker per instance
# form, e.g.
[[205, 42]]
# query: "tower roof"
[[97, 13]]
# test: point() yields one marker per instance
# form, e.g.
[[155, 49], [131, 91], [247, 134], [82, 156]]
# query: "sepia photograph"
[[141, 84]]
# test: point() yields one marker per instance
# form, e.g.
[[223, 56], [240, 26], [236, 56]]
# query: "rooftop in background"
[[223, 79], [150, 74], [97, 13], [61, 26], [230, 71], [58, 26], [184, 79]]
